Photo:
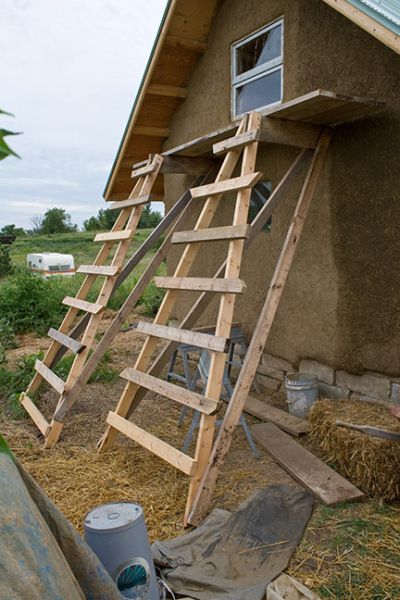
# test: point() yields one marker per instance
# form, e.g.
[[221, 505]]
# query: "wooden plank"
[[228, 185], [366, 22], [138, 201], [173, 392], [162, 132], [90, 307], [65, 340], [266, 412], [50, 377], [174, 457], [175, 41], [247, 373], [202, 284], [211, 234], [307, 469], [144, 170], [236, 142], [35, 414], [102, 270], [114, 236], [159, 89], [184, 336]]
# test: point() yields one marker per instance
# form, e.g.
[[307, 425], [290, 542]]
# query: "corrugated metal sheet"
[[386, 12]]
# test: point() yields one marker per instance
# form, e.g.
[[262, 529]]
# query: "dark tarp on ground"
[[233, 556], [42, 557]]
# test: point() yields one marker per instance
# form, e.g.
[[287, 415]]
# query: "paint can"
[[117, 533], [301, 393]]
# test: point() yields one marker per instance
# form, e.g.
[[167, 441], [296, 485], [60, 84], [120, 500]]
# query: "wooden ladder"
[[244, 143], [117, 240]]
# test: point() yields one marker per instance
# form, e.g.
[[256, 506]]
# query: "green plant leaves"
[[5, 149], [4, 449]]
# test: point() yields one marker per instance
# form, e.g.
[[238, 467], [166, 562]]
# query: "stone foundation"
[[336, 384]]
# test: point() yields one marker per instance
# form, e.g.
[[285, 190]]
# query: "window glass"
[[260, 50], [259, 92]]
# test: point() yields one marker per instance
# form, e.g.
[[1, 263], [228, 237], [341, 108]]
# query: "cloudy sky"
[[69, 71]]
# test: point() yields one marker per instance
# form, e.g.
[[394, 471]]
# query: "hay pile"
[[371, 463]]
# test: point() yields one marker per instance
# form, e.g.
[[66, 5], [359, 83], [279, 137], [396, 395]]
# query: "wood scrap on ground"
[[310, 471], [266, 412]]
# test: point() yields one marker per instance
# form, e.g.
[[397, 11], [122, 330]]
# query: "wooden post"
[[202, 499]]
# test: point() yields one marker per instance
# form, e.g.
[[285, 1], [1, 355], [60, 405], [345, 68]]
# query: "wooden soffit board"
[[180, 44]]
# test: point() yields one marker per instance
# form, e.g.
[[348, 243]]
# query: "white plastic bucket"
[[301, 393]]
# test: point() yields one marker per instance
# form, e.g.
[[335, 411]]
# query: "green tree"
[[150, 218], [5, 149], [105, 220], [12, 230], [57, 220]]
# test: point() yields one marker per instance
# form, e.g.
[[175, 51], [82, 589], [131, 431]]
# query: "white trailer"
[[51, 263]]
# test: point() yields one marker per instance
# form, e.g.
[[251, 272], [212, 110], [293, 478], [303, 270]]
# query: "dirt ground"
[[348, 551]]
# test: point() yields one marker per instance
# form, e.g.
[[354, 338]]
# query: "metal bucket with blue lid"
[[117, 533]]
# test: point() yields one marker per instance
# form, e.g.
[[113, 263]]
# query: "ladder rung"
[[65, 340], [228, 185], [236, 142], [131, 202], [89, 307], [143, 171], [50, 377], [174, 392], [202, 284], [106, 271], [174, 457], [211, 234], [114, 236], [183, 336], [35, 414]]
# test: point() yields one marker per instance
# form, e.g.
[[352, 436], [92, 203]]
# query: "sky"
[[70, 70]]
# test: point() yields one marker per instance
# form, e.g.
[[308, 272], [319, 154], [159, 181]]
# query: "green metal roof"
[[386, 12]]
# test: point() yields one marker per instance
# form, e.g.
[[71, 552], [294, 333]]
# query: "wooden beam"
[[234, 184], [175, 41], [35, 414], [373, 27], [143, 170], [174, 91], [237, 142], [114, 236], [289, 133], [101, 270], [184, 336], [307, 469], [162, 132], [247, 373], [65, 340], [129, 202], [90, 307], [267, 412], [202, 284], [174, 457], [181, 395], [212, 234], [49, 376]]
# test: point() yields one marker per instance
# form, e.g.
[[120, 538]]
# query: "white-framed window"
[[257, 69]]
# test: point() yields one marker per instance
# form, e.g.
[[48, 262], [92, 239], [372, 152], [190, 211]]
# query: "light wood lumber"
[[162, 132], [51, 378], [90, 307], [65, 340], [237, 142], [184, 336], [325, 483], [35, 414], [174, 457], [202, 499], [182, 395], [266, 412], [114, 236], [144, 170], [101, 270], [202, 284], [228, 185], [159, 89], [212, 234], [189, 44], [131, 202]]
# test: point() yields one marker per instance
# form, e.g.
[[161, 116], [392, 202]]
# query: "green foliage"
[[5, 149], [5, 260], [30, 303], [150, 218], [103, 372], [16, 380], [12, 230], [105, 220], [56, 220], [7, 338]]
